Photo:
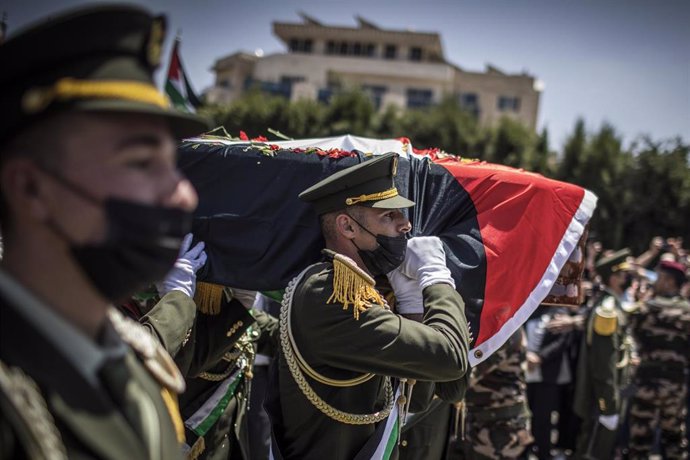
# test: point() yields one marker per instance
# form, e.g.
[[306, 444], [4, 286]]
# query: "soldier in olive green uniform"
[[212, 340], [603, 366], [92, 209], [341, 347], [662, 334]]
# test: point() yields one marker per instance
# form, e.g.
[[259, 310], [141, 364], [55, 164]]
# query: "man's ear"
[[345, 226], [21, 187]]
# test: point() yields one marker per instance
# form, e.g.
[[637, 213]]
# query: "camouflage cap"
[[369, 184], [97, 58]]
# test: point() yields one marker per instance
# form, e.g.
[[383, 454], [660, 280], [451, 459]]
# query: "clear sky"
[[625, 62]]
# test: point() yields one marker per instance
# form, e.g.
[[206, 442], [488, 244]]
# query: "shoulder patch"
[[28, 409], [605, 318], [155, 358]]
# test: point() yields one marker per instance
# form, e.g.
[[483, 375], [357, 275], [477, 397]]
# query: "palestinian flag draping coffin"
[[507, 232]]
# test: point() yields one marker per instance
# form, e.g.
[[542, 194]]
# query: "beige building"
[[403, 68]]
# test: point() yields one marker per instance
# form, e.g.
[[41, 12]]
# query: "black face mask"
[[141, 244], [388, 256]]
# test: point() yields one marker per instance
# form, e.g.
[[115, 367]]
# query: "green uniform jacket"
[[380, 342], [129, 421], [598, 377], [198, 342]]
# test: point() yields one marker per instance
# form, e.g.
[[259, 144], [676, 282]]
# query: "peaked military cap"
[[613, 263], [98, 58], [369, 184]]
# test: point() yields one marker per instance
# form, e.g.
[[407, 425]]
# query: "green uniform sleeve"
[[196, 341], [380, 341], [171, 320]]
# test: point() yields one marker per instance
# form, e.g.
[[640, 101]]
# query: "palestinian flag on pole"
[[177, 85]]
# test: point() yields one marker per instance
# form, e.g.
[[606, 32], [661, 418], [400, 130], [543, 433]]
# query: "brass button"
[[478, 354], [404, 443]]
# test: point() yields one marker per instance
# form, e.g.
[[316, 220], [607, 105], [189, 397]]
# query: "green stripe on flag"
[[208, 422], [392, 441], [177, 99]]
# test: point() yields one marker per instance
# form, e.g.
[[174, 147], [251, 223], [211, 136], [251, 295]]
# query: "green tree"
[[573, 153], [446, 126], [349, 112], [511, 144], [660, 181]]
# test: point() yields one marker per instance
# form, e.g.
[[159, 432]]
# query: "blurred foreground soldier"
[[662, 332], [341, 346], [93, 209], [497, 424], [603, 364]]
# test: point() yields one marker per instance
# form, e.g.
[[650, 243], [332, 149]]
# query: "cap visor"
[[181, 124], [397, 202]]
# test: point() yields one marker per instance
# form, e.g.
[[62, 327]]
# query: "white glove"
[[407, 292], [425, 260], [609, 421], [183, 275]]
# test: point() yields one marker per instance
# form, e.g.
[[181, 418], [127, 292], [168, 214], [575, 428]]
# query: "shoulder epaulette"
[[156, 360], [208, 297], [353, 286], [606, 317], [28, 414]]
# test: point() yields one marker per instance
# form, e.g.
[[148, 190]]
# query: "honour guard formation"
[[116, 342]]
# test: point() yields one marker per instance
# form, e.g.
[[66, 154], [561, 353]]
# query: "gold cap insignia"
[[154, 46]]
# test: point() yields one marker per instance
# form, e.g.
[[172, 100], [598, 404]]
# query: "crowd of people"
[[111, 348], [643, 384]]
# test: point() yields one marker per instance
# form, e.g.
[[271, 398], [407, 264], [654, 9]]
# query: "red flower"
[[404, 140], [274, 147], [257, 139], [243, 136]]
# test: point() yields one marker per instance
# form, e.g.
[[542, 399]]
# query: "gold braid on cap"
[[352, 286], [390, 193], [37, 99]]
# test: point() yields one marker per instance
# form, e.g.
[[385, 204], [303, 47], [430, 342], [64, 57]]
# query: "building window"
[[375, 93], [330, 47], [225, 83], [343, 48], [370, 49], [415, 53], [508, 103], [470, 103], [277, 89], [290, 79], [325, 95], [301, 45], [390, 52], [417, 98]]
